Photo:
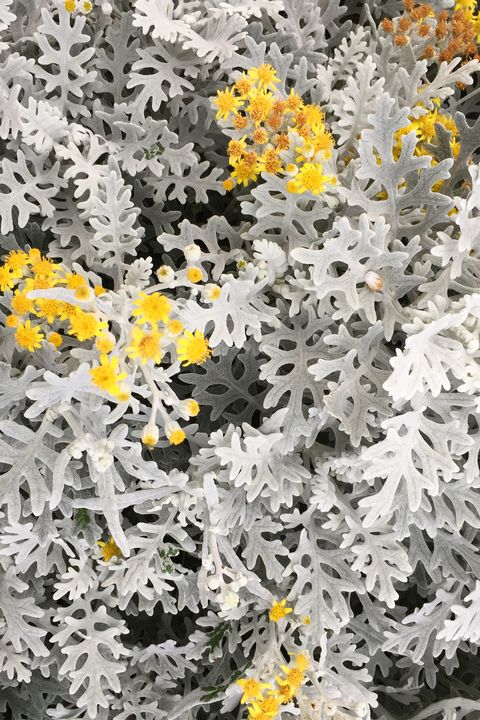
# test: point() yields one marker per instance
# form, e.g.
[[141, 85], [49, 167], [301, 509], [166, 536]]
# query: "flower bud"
[[150, 435], [373, 281], [192, 253]]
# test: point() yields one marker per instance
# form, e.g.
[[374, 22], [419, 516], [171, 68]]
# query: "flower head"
[[310, 178], [109, 549], [152, 308], [7, 278], [265, 76], [106, 375], [226, 103], [279, 610], [28, 337], [193, 348], [252, 689], [145, 345]]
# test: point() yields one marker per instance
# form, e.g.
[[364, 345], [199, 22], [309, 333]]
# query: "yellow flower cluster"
[[269, 127], [424, 127], [141, 344], [265, 699]]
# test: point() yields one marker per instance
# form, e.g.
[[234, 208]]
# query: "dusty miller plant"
[[333, 463]]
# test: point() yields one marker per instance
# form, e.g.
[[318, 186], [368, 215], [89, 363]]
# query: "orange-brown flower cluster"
[[441, 35]]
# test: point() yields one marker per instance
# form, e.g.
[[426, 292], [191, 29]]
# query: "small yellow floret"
[[11, 321], [310, 178], [264, 76], [16, 261], [70, 5], [56, 339], [87, 6], [194, 274], [99, 290], [193, 348], [104, 344], [279, 610], [193, 408], [44, 267], [226, 103], [7, 279], [106, 375], [145, 346], [252, 689], [109, 549], [175, 327], [21, 305], [152, 308], [177, 437], [228, 184], [85, 325], [28, 337], [302, 661]]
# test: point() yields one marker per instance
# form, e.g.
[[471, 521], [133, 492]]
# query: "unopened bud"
[[373, 281], [192, 252]]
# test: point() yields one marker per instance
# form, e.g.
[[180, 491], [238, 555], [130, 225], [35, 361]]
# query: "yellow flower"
[[7, 279], [123, 393], [106, 375], [285, 692], [28, 337], [265, 709], [252, 689], [212, 292], [236, 148], [87, 6], [226, 103], [302, 661], [260, 106], [44, 267], [293, 677], [176, 437], [109, 549], [294, 101], [69, 5], [228, 184], [85, 325], [152, 308], [16, 261], [312, 116], [270, 162], [193, 348], [265, 76], [310, 178], [194, 274], [82, 293], [47, 308], [193, 408], [105, 343], [21, 305], [56, 339], [73, 281], [11, 321], [145, 346], [279, 610], [175, 327], [245, 173], [243, 85], [67, 311], [306, 620]]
